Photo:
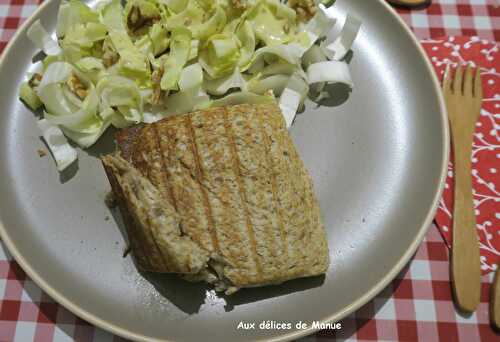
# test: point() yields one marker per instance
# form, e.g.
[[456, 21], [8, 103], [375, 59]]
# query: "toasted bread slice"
[[157, 235], [239, 189]]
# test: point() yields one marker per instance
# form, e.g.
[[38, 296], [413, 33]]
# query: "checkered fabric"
[[417, 305], [28, 314], [455, 18], [12, 15]]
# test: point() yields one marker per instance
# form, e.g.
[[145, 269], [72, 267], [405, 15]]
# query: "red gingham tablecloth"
[[417, 305]]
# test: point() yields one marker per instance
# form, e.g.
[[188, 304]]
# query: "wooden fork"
[[463, 95]]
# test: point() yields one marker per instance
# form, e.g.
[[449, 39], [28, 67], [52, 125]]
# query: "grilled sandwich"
[[219, 195]]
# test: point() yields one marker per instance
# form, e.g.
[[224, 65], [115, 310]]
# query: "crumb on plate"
[[126, 251]]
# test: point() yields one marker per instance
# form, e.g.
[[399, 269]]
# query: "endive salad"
[[115, 65]]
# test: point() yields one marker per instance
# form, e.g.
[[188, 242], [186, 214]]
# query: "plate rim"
[[369, 295]]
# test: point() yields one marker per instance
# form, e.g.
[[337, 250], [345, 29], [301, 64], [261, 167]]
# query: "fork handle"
[[466, 269]]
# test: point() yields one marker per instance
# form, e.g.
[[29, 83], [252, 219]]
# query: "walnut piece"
[[35, 80], [41, 153], [77, 87], [157, 92], [137, 20], [306, 9], [239, 4], [109, 56]]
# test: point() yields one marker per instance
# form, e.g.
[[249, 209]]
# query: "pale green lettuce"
[[190, 96], [133, 63], [29, 96], [63, 107], [180, 46], [123, 94], [246, 37], [119, 66], [158, 35], [220, 55], [220, 86], [74, 12], [243, 97], [269, 26]]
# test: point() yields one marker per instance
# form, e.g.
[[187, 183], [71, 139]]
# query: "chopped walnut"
[[137, 20], [157, 92], [41, 153], [77, 87], [239, 4], [35, 80], [306, 9], [109, 56]]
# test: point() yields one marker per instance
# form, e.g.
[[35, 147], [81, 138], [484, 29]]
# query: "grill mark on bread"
[[164, 165], [138, 159], [299, 204], [300, 188], [169, 153], [251, 151], [284, 189], [211, 150], [143, 157], [276, 204], [305, 188], [187, 187], [154, 151], [126, 140], [237, 171], [269, 236], [219, 183], [201, 175]]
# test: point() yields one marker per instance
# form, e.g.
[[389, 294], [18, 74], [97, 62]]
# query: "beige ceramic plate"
[[378, 161]]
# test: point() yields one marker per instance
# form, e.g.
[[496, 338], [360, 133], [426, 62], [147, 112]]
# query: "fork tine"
[[468, 80], [478, 84], [447, 79], [458, 80]]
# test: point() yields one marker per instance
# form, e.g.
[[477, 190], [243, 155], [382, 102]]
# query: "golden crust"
[[240, 189]]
